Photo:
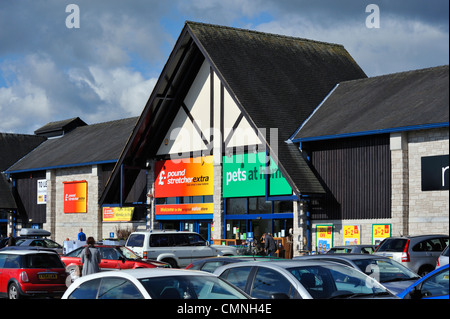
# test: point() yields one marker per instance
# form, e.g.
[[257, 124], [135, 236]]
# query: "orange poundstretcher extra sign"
[[190, 177], [75, 197]]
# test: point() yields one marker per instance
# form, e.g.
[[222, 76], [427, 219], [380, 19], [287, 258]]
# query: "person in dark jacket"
[[269, 245]]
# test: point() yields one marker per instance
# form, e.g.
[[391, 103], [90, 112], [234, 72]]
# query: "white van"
[[177, 248]]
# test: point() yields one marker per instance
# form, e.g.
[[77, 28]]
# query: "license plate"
[[48, 276]]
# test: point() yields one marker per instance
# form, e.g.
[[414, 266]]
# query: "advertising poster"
[[352, 235], [182, 209], [194, 177], [75, 197], [324, 238], [41, 191], [117, 214], [380, 232], [245, 175]]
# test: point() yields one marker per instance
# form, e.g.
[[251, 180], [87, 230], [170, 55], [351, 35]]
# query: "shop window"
[[184, 200], [160, 201], [197, 199], [236, 206], [258, 205], [283, 207], [208, 199], [236, 229], [171, 200]]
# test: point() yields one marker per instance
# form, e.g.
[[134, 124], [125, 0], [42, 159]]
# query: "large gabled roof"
[[276, 81], [85, 145], [396, 102], [15, 146]]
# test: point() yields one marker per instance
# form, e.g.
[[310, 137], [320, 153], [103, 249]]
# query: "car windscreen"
[[336, 281], [393, 245], [190, 287], [385, 270], [136, 240], [43, 261]]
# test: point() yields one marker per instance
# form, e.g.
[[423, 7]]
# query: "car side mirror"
[[415, 293], [122, 258]]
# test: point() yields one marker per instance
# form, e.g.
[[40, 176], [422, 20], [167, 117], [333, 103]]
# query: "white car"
[[295, 279], [148, 283], [177, 248], [442, 259]]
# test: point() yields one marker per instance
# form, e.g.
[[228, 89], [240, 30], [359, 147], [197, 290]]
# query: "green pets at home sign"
[[244, 176]]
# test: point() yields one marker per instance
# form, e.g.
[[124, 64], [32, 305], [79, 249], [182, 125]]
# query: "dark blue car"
[[434, 285]]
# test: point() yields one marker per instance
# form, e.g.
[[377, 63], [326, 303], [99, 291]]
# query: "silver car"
[[418, 253], [352, 249], [295, 279], [386, 271]]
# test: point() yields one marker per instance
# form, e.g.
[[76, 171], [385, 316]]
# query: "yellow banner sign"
[[352, 235], [380, 232], [117, 214]]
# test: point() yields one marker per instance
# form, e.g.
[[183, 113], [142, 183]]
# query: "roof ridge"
[[117, 120], [428, 69], [276, 35]]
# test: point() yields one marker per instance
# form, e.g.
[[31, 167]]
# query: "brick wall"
[[428, 210]]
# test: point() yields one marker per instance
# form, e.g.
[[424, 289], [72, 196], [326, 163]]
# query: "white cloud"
[[107, 68], [116, 88], [398, 45]]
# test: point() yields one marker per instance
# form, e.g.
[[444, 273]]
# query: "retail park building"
[[246, 133]]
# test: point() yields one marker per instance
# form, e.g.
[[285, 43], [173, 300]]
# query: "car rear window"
[[393, 245], [43, 261], [136, 240]]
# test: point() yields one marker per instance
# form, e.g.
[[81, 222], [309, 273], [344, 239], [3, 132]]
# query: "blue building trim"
[[185, 217], [373, 132]]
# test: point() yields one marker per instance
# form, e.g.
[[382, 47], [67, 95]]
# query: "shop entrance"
[[240, 229]]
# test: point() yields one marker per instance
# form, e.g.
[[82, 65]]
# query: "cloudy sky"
[[106, 68]]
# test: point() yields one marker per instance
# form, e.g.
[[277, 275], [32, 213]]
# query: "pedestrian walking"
[[81, 235], [269, 245], [90, 258]]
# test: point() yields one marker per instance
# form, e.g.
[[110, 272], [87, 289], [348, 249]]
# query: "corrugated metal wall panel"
[[357, 175]]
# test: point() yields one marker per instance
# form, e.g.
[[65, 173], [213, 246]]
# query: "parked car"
[[297, 279], [418, 253], [434, 285], [30, 273], [442, 259], [112, 258], [352, 249], [40, 242], [386, 271], [210, 264], [178, 249], [152, 284]]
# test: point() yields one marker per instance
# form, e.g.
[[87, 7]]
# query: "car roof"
[[418, 236], [163, 231], [342, 256], [282, 263], [353, 246], [148, 272], [26, 251]]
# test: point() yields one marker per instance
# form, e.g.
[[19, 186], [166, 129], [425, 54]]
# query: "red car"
[[31, 273], [113, 257]]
